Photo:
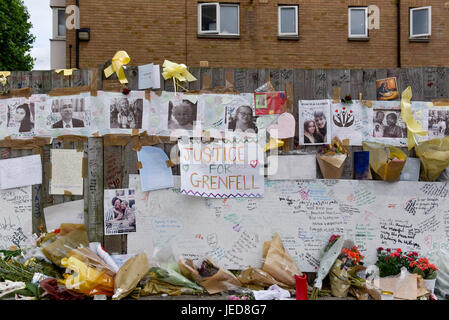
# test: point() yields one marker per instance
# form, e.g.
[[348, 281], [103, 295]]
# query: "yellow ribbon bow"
[[120, 58], [413, 126], [67, 72], [178, 72], [3, 76]]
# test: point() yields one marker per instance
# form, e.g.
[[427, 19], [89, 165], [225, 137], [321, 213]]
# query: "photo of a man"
[[67, 121], [387, 124]]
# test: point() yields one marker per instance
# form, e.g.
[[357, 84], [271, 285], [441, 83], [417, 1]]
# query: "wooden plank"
[[47, 198], [218, 77], [429, 83], [262, 77], [195, 85], [252, 78], [308, 85], [442, 82], [320, 84], [285, 75], [57, 144], [298, 94], [240, 79], [205, 75], [415, 80], [369, 84], [26, 79], [339, 78], [356, 83], [275, 78], [93, 202]]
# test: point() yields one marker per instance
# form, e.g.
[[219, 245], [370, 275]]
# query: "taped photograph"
[[126, 113], [119, 211], [314, 124]]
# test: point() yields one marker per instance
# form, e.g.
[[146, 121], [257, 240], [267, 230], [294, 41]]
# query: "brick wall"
[[154, 30]]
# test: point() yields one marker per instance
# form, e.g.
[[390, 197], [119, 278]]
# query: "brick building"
[[264, 33]]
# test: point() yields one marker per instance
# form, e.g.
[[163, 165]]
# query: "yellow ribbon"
[[273, 144], [120, 58], [3, 76], [413, 126], [67, 72], [178, 72]]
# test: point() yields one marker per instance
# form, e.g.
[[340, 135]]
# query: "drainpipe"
[[77, 42], [399, 33]]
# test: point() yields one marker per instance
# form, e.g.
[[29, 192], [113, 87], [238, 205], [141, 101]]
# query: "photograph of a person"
[[241, 119], [388, 124], [126, 113], [261, 101], [68, 113], [120, 211], [314, 124], [181, 115], [21, 117], [438, 123], [387, 89]]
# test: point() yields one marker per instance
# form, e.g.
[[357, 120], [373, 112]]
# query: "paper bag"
[[331, 166], [407, 286], [278, 262], [385, 161], [434, 155], [129, 275], [58, 249], [258, 277]]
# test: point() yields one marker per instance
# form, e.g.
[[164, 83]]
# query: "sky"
[[41, 18]]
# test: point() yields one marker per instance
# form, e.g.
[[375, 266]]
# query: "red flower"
[[344, 108], [336, 110], [380, 249], [126, 91], [350, 111], [410, 259], [398, 250], [388, 250]]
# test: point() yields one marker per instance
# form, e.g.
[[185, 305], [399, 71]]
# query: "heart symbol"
[[285, 128], [253, 163], [185, 167]]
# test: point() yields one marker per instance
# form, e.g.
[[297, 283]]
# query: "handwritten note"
[[15, 218], [66, 172], [20, 172], [67, 212]]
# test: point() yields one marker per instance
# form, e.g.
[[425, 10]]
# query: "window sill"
[[358, 39], [58, 39], [219, 36], [294, 38], [419, 39]]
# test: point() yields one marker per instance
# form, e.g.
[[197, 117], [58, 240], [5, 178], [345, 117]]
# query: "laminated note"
[[66, 172]]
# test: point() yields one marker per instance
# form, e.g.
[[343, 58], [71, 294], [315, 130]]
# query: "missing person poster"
[[222, 169]]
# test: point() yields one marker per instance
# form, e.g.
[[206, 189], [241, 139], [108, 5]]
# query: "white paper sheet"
[[15, 218], [292, 167], [67, 212], [66, 172], [149, 76], [20, 172]]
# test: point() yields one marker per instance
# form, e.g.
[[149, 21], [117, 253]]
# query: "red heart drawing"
[[253, 163]]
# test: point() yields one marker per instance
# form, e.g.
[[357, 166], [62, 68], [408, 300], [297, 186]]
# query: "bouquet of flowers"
[[390, 261], [423, 267], [330, 254], [343, 272], [331, 159]]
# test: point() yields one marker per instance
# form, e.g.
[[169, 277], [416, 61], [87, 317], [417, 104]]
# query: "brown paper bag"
[[278, 262], [385, 161], [188, 270], [410, 287], [129, 275], [258, 277], [331, 166], [58, 249]]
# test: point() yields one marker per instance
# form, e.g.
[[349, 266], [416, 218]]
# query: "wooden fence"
[[109, 166]]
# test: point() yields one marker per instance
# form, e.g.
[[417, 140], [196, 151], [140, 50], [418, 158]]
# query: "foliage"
[[15, 37]]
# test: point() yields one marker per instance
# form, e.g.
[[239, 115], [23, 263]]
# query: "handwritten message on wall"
[[305, 213], [15, 218], [222, 169]]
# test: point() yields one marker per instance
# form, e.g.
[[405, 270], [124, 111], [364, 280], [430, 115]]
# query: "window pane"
[[61, 23], [420, 21], [288, 20], [358, 22], [208, 18], [229, 19]]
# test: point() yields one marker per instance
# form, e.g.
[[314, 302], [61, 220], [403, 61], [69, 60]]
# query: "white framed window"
[[288, 21], [61, 23], [358, 22], [219, 19], [420, 22]]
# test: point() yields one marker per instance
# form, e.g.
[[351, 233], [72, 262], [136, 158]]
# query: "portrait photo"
[[126, 113], [261, 101], [387, 89], [119, 211], [21, 117], [241, 119], [68, 113], [388, 124], [438, 123], [181, 114]]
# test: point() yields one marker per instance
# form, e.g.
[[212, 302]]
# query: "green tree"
[[15, 36]]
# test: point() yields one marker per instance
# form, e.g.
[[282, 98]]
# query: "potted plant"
[[428, 271], [390, 261]]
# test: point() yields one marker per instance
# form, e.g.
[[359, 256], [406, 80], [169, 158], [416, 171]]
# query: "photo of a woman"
[[20, 118], [182, 115], [243, 120], [121, 217], [310, 133]]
